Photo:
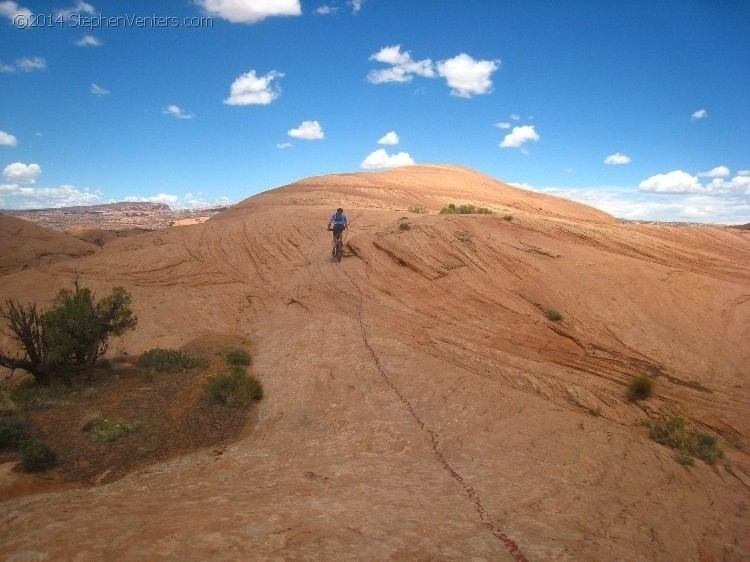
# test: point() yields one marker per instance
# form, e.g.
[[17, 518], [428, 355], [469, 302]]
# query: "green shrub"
[[106, 430], [91, 420], [171, 360], [670, 432], [508, 217], [674, 432], [417, 210], [234, 388], [451, 209], [71, 336], [37, 457], [640, 387], [404, 226], [237, 356], [553, 315], [105, 364], [13, 433], [26, 393], [706, 447]]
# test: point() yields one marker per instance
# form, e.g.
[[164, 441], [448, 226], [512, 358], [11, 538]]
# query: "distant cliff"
[[112, 216], [122, 207]]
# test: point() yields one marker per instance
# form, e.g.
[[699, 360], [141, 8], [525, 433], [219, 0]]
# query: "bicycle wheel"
[[339, 249]]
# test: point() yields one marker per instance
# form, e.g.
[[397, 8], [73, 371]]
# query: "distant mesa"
[[122, 207], [90, 222]]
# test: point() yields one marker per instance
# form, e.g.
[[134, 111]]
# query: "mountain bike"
[[338, 248]]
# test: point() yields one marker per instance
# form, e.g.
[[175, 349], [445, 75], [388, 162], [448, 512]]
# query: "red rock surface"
[[24, 244], [419, 404]]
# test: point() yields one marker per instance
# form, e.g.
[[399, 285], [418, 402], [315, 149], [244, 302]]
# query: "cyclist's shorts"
[[338, 229]]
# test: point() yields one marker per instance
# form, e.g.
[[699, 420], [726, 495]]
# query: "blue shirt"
[[339, 219]]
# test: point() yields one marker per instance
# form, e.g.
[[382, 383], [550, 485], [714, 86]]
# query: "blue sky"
[[639, 108]]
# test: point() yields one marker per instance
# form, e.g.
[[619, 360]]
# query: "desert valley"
[[421, 401]]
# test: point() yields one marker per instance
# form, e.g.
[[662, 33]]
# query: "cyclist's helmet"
[[339, 210]]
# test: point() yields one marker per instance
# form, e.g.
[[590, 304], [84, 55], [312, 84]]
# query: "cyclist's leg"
[[337, 231]]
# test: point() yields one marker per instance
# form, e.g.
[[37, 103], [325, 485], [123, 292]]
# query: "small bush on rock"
[[640, 387], [237, 356], [37, 457], [674, 432], [171, 360], [234, 388]]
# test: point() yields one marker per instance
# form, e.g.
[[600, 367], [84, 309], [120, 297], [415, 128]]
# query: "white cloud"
[[718, 172], [515, 117], [178, 112], [283, 145], [629, 204], [392, 55], [403, 67], [737, 185], [326, 10], [389, 75], [98, 90], [89, 41], [680, 183], [6, 139], [617, 159], [15, 13], [676, 181], [79, 8], [249, 89], [389, 138], [503, 125], [466, 76], [27, 64], [519, 136], [198, 201], [250, 11], [18, 197], [160, 198], [308, 130], [22, 173], [700, 114], [356, 5], [743, 173], [380, 160], [7, 68]]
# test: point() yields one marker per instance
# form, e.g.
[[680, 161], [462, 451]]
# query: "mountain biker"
[[338, 219]]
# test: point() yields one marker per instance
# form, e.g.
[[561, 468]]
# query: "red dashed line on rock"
[[472, 494]]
